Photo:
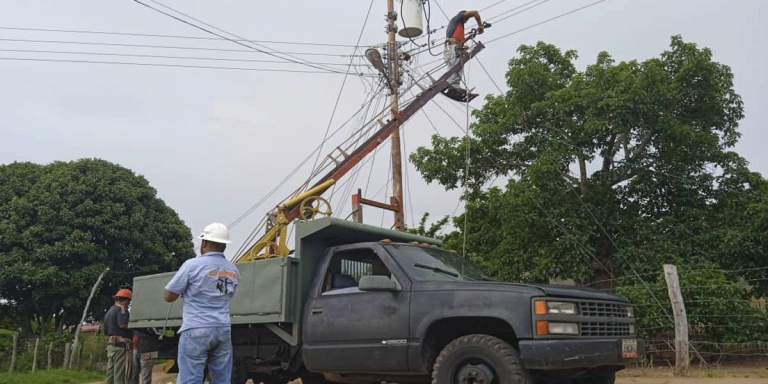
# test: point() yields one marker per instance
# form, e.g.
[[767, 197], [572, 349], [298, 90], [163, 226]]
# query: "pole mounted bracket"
[[391, 28], [392, 15]]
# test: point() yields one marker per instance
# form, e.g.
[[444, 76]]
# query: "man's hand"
[[476, 15], [170, 296]]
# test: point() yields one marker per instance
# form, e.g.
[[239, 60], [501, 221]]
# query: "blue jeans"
[[199, 347]]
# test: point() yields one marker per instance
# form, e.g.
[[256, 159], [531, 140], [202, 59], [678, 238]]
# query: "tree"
[[63, 223], [612, 171]]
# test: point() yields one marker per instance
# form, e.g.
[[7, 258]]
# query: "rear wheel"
[[479, 359]]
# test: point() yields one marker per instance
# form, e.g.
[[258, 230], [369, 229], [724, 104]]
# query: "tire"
[[239, 372], [486, 358], [598, 378], [313, 380]]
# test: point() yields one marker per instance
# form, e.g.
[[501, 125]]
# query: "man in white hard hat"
[[208, 283]]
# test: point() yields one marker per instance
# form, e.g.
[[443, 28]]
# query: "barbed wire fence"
[[704, 316], [22, 354]]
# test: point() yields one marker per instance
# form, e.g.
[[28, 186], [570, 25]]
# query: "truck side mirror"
[[377, 284]]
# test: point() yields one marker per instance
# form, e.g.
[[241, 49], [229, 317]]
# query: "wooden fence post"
[[50, 349], [13, 353], [85, 311], [66, 355], [93, 350], [34, 358], [682, 357]]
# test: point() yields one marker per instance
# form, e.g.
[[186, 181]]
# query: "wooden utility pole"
[[682, 358], [394, 86]]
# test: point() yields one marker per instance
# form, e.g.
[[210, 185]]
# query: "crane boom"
[[274, 240]]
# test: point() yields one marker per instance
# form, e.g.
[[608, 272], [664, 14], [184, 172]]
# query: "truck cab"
[[360, 304]]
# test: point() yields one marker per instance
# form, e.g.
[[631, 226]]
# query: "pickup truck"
[[361, 304]]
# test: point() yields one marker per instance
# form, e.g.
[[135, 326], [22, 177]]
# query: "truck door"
[[348, 330]]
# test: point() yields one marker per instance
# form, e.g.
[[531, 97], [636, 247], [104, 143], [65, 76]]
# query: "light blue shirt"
[[207, 283]]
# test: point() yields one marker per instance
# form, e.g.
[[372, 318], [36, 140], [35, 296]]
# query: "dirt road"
[[755, 373]]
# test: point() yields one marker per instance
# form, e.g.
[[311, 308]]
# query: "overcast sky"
[[214, 141]]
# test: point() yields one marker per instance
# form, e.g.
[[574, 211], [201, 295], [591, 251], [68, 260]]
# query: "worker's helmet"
[[217, 233], [125, 293]]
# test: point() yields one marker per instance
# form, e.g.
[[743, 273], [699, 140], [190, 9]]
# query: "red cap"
[[126, 293]]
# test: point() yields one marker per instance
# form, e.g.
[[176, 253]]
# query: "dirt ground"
[[749, 373]]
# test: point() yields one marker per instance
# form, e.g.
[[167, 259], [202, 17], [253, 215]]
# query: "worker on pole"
[[454, 43], [208, 283], [119, 343]]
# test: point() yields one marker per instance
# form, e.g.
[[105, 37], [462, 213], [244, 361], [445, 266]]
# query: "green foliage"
[[613, 171], [433, 229], [63, 223], [54, 376], [620, 167], [719, 307]]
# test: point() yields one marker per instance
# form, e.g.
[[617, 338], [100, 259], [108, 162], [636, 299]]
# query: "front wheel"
[[479, 359]]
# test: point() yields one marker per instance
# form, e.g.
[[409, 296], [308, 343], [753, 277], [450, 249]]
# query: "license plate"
[[629, 348]]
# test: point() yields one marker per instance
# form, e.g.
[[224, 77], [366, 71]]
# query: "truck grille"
[[597, 329], [597, 309]]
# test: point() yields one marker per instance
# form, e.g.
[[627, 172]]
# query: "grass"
[[54, 376]]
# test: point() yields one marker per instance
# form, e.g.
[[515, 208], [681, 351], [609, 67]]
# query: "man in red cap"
[[119, 339]]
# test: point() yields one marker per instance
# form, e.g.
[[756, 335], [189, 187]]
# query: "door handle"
[[315, 311]]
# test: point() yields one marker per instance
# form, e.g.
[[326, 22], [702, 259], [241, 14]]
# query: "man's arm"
[[122, 318], [476, 15], [178, 284]]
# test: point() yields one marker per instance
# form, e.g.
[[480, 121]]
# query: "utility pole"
[[394, 86]]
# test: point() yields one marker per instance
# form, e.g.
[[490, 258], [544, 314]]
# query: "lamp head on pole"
[[373, 55]]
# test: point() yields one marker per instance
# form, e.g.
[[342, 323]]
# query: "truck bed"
[[263, 295]]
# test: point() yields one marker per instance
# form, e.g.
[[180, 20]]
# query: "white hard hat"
[[216, 232]]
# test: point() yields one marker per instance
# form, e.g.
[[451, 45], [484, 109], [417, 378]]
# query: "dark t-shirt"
[[455, 28], [112, 320]]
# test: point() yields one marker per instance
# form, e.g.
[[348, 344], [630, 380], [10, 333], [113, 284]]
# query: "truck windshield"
[[432, 264]]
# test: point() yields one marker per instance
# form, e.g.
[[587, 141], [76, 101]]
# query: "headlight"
[[630, 312], [544, 328], [555, 308]]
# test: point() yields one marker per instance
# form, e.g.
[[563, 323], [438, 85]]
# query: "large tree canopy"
[[611, 171], [63, 223]]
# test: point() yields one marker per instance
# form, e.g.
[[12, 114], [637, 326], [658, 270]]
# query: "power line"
[[546, 21], [343, 83], [176, 66], [490, 77], [493, 5], [517, 13], [162, 56], [223, 37], [441, 9], [165, 47], [173, 36]]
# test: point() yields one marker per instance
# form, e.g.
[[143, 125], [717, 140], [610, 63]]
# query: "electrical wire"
[[496, 19], [489, 76], [161, 56], [168, 47], [343, 83], [238, 42], [493, 5], [174, 36], [546, 21], [174, 65]]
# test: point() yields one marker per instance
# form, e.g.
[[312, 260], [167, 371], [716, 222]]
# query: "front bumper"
[[579, 353]]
